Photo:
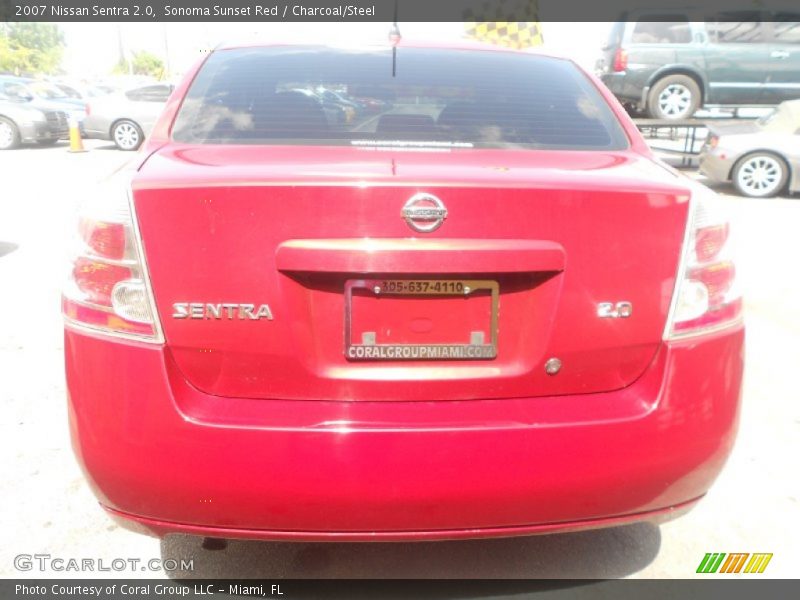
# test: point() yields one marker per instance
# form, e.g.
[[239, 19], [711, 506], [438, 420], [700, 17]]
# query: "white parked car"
[[128, 117]]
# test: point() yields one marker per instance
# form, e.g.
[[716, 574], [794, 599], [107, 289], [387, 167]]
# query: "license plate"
[[421, 319]]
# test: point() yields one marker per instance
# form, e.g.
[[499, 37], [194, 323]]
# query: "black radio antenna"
[[394, 38]]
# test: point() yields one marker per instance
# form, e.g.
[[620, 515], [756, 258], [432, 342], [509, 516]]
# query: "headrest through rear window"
[[288, 115], [407, 127]]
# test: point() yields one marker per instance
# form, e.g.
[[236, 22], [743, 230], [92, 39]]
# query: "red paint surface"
[[288, 226], [264, 429], [162, 528], [155, 447]]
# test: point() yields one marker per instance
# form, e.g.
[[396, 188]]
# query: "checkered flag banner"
[[512, 23]]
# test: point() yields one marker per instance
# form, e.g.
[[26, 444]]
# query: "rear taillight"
[[620, 60], [88, 109], [706, 296], [108, 289]]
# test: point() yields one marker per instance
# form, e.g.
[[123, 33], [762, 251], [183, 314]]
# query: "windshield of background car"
[[16, 92], [784, 119], [614, 35], [49, 92], [427, 98]]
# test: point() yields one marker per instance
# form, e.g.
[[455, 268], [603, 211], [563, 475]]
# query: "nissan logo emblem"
[[424, 212]]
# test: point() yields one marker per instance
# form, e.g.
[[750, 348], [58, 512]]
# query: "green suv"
[[668, 64]]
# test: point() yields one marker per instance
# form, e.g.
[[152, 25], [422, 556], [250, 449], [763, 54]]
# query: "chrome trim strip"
[[735, 84], [106, 333], [158, 338], [125, 262], [751, 85], [682, 264], [91, 305], [708, 330]]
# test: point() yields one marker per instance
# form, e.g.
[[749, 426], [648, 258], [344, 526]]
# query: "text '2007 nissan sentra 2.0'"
[[455, 297]]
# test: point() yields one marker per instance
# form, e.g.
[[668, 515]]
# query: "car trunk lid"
[[265, 261]]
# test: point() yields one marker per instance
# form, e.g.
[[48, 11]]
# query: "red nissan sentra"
[[365, 294]]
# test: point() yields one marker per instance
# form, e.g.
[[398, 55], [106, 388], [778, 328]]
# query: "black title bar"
[[291, 589], [384, 10]]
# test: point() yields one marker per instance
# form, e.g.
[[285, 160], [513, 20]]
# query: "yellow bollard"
[[75, 141]]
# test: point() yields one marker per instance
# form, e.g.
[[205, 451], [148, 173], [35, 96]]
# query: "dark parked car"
[[42, 93], [22, 121], [670, 63]]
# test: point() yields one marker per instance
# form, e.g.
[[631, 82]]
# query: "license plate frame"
[[421, 352]]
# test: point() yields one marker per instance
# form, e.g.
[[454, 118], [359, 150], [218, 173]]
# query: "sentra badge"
[[223, 310]]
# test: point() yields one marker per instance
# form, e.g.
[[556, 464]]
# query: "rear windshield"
[[421, 98]]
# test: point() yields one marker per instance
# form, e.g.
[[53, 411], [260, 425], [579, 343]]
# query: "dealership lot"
[[50, 509]]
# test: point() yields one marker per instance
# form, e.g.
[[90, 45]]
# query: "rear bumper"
[[162, 528], [168, 458], [714, 167], [625, 89], [41, 131], [96, 128]]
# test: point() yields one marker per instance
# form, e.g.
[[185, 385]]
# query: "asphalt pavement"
[[49, 509]]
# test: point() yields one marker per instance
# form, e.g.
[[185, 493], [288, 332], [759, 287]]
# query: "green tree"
[[143, 63], [30, 48]]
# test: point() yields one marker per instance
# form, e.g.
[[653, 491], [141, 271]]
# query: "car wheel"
[[127, 135], [673, 97], [9, 134], [760, 175]]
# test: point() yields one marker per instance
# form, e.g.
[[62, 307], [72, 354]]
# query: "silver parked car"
[[126, 118], [761, 158]]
